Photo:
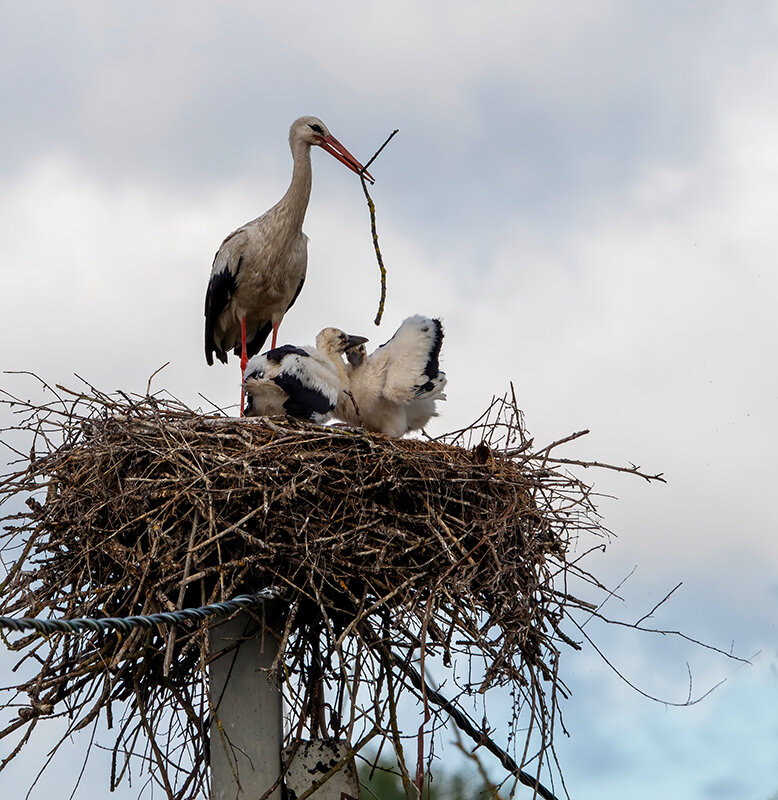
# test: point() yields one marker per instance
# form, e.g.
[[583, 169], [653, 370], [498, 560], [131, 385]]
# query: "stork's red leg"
[[275, 336], [243, 361]]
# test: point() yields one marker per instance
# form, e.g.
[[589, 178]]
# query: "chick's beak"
[[354, 341]]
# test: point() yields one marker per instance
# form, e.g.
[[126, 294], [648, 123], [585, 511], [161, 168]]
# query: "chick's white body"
[[395, 388], [303, 382]]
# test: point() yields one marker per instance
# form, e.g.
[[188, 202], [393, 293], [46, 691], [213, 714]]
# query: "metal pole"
[[246, 728]]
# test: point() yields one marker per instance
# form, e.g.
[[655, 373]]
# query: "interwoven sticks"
[[380, 546]]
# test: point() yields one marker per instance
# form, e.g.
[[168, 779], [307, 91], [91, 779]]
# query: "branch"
[[466, 726], [374, 231], [632, 470]]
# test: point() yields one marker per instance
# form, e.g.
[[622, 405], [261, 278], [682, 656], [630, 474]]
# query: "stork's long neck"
[[295, 201], [335, 357]]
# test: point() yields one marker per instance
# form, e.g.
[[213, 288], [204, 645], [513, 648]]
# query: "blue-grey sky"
[[586, 193]]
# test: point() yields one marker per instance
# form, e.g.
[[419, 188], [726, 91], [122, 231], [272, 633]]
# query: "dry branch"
[[374, 229]]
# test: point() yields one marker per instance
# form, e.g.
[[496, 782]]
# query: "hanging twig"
[[373, 229]]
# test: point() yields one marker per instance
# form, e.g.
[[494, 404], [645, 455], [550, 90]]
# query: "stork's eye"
[[316, 128]]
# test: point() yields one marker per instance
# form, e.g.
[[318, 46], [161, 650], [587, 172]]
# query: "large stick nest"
[[460, 548]]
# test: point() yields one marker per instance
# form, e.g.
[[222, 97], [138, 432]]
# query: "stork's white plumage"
[[259, 270], [302, 382], [395, 388]]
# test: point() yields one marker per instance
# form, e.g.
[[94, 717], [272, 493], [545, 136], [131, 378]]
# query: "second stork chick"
[[394, 389]]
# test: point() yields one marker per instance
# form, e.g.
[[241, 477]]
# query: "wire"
[[186, 616]]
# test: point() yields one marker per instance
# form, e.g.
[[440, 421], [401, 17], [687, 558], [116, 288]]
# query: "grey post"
[[246, 751]]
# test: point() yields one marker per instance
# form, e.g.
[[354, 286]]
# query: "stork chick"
[[396, 387], [303, 382]]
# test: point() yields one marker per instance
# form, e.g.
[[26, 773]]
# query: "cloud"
[[586, 195]]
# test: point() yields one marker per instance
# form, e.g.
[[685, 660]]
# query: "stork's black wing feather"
[[221, 287], [304, 401], [432, 367], [276, 355], [296, 294]]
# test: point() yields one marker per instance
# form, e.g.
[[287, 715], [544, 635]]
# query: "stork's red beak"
[[335, 148]]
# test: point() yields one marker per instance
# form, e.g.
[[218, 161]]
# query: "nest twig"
[[383, 546]]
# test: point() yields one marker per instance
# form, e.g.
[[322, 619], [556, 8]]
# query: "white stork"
[[303, 382], [259, 270], [394, 389]]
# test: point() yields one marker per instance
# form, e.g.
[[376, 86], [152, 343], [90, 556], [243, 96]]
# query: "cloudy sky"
[[584, 192]]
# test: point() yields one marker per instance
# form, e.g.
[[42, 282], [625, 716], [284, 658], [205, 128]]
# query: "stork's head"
[[334, 342], [312, 131], [356, 355]]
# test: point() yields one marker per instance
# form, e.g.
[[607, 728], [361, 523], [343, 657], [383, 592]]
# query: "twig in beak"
[[371, 207]]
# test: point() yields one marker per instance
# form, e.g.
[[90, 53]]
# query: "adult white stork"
[[259, 270], [302, 382], [394, 389]]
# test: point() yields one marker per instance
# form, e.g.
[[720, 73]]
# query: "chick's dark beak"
[[354, 341]]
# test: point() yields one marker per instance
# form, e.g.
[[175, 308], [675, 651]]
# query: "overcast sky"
[[586, 193]]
